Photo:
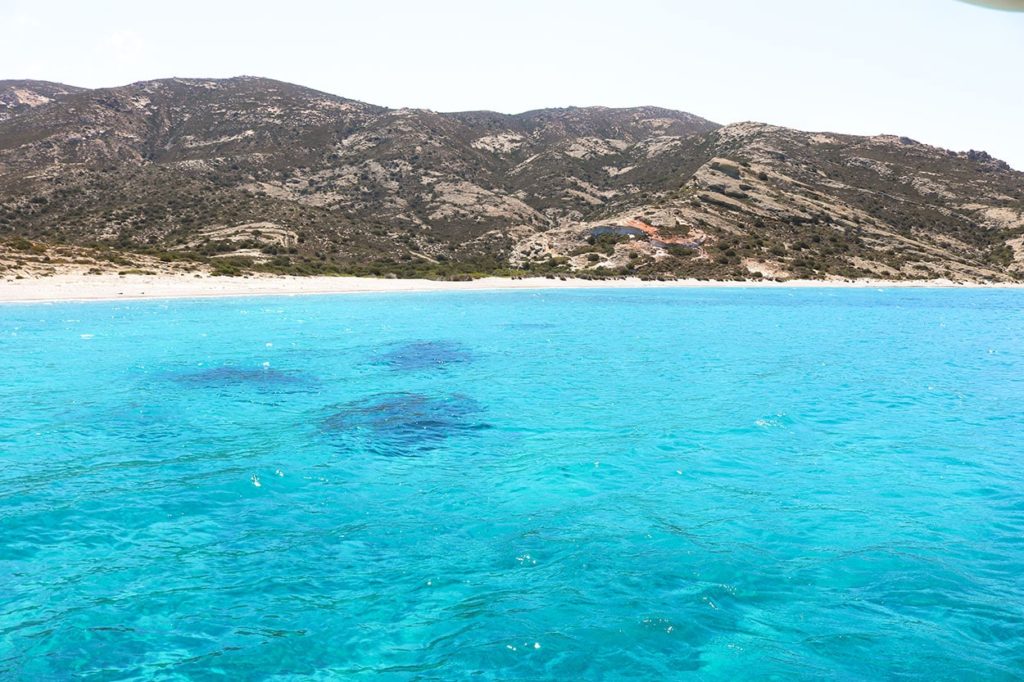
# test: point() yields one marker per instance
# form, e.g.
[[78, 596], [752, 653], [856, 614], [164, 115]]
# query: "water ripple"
[[788, 484]]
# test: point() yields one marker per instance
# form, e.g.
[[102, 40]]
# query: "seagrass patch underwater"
[[588, 484]]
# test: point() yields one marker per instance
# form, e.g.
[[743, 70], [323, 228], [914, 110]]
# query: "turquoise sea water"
[[599, 484]]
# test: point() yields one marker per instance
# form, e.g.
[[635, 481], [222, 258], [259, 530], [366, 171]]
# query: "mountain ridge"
[[183, 169]]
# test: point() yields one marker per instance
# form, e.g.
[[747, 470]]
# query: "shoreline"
[[72, 287]]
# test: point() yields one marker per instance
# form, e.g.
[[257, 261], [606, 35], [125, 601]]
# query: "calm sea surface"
[[591, 484]]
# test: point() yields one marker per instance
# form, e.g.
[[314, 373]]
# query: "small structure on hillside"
[[617, 230]]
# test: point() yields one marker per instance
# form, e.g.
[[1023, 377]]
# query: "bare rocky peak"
[[17, 96]]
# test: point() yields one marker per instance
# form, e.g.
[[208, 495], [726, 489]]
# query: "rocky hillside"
[[16, 97], [253, 174]]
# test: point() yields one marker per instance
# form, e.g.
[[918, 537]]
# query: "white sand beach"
[[70, 286]]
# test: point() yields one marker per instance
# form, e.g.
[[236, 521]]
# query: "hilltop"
[[248, 174]]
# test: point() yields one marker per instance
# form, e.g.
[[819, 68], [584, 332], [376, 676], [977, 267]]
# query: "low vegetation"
[[349, 188]]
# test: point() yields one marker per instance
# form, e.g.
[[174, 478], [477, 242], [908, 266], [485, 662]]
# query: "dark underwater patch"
[[422, 355], [405, 423], [227, 376]]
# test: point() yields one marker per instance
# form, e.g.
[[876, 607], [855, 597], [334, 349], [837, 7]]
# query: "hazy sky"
[[940, 71]]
